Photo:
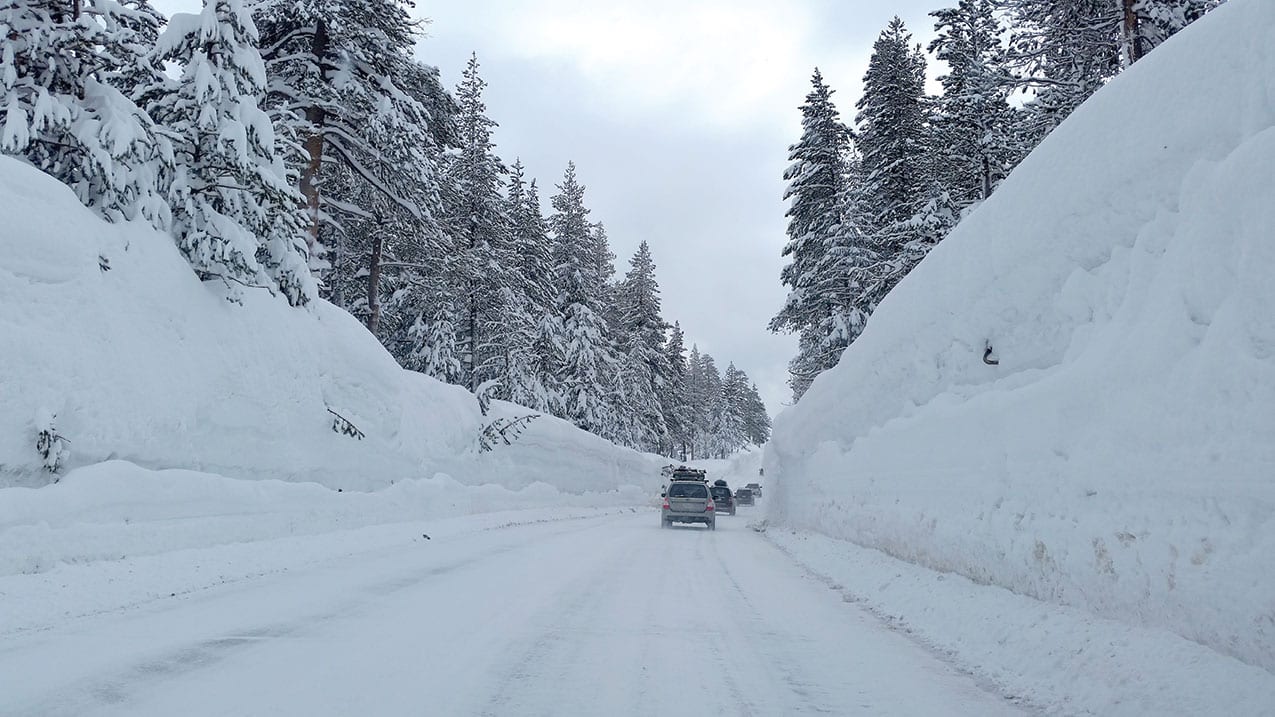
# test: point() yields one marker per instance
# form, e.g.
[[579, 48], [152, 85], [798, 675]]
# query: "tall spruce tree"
[[817, 186], [891, 131], [587, 357], [674, 399], [972, 143], [479, 223], [641, 337]]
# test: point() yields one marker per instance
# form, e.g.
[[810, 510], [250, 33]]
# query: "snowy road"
[[597, 616]]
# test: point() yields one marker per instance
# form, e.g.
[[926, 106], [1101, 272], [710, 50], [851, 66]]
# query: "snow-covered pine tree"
[[479, 223], [527, 255], [731, 431], [641, 337], [346, 68], [1063, 52], [1147, 23], [898, 184], [704, 389], [815, 179], [674, 400], [891, 130], [817, 186], [587, 356], [533, 249], [61, 66], [971, 144], [236, 216], [434, 351], [756, 421]]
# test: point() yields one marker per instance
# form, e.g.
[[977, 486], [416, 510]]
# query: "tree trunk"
[[315, 116], [374, 282], [1129, 32]]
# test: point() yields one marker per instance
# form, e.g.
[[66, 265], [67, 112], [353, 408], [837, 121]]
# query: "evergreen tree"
[[346, 68], [587, 357], [817, 188], [1064, 52], [62, 65], [971, 146], [479, 224], [641, 331], [1147, 23], [756, 421], [731, 426], [235, 213], [815, 182], [674, 399], [891, 131]]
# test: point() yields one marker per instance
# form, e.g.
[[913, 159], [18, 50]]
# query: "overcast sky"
[[678, 115]]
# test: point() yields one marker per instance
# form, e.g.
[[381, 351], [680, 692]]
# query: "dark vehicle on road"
[[723, 499], [688, 501], [755, 488], [744, 496]]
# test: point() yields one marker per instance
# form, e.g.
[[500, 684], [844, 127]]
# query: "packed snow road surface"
[[601, 615]]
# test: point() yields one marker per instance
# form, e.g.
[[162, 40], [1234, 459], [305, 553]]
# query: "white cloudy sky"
[[678, 115]]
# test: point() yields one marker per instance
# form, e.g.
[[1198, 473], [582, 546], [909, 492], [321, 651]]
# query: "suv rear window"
[[719, 492], [687, 490]]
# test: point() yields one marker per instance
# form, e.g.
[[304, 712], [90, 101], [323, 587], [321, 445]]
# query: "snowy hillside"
[[1120, 458], [105, 328]]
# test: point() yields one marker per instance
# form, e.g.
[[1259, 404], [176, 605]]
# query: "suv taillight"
[[709, 507], [666, 505]]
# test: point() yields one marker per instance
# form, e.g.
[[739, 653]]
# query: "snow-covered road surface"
[[606, 615]]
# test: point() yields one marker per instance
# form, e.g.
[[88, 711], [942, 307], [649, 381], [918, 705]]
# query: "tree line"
[[298, 147], [869, 200]]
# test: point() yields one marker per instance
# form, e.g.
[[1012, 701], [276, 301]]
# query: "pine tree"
[[587, 358], [731, 428], [346, 68], [62, 65], [757, 421], [815, 182], [817, 188], [479, 224], [532, 249], [235, 214], [1147, 23], [434, 351], [891, 131], [674, 399], [641, 331], [972, 142], [1064, 52]]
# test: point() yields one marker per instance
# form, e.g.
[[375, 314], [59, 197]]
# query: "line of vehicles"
[[688, 498]]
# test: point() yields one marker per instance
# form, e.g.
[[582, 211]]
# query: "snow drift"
[[1121, 456], [108, 338]]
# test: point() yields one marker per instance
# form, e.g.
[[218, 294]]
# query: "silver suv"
[[688, 501]]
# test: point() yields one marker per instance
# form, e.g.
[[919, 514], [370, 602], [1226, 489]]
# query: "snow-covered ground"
[[1119, 459], [545, 613]]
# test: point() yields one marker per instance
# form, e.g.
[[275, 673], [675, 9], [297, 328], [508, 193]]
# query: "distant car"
[[723, 499], [688, 501], [755, 488], [744, 496]]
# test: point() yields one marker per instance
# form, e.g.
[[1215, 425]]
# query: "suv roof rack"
[[684, 473]]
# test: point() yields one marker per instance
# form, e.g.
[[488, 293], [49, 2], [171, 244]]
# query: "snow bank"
[[115, 509], [107, 336], [1120, 458]]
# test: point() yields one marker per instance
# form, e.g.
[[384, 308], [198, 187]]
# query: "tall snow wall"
[[1121, 456], [104, 328]]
